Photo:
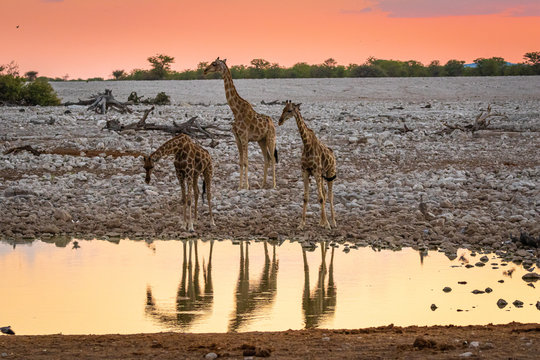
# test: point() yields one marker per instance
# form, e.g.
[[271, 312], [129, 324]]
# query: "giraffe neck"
[[302, 127], [169, 148], [234, 100]]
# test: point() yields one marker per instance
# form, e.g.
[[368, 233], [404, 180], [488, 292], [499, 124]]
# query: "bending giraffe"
[[318, 160], [190, 161], [248, 126]]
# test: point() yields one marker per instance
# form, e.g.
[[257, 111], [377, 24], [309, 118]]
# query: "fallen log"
[[190, 127], [481, 122], [101, 102], [74, 152]]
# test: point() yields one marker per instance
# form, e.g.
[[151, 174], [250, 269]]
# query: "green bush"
[[11, 89], [15, 90], [40, 92]]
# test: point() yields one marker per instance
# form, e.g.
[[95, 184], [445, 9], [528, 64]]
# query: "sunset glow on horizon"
[[84, 39]]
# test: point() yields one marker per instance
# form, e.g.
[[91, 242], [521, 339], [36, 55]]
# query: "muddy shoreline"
[[517, 341]]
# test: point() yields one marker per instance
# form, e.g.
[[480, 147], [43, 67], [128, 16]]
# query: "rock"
[[421, 343], [62, 215], [531, 277], [474, 344], [522, 253], [501, 303], [488, 290], [466, 354], [476, 291], [480, 264], [484, 259], [487, 346], [518, 303], [447, 289], [538, 305], [50, 228], [211, 356], [434, 307]]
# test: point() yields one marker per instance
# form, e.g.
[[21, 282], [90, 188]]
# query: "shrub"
[[14, 90], [40, 92], [11, 89]]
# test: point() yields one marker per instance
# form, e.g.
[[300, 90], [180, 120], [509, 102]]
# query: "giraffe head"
[[216, 66], [148, 166], [288, 111]]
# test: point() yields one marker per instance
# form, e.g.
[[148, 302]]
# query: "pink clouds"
[[438, 8]]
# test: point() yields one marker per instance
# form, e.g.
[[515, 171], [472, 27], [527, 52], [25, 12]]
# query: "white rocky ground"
[[480, 189]]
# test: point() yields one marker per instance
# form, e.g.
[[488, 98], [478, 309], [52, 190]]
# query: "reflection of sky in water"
[[197, 286]]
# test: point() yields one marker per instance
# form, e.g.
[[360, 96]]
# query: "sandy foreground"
[[512, 341], [479, 189]]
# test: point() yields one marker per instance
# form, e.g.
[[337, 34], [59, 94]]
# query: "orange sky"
[[88, 38]]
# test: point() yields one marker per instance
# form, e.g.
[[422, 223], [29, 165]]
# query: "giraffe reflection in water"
[[252, 297], [192, 301], [321, 303]]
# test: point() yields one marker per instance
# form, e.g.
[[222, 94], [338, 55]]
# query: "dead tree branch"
[[190, 127], [73, 152], [482, 121], [101, 102]]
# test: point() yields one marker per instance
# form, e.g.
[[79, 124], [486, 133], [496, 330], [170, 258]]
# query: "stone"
[[466, 354], [488, 290], [447, 289], [531, 277], [62, 215], [434, 307], [211, 356], [518, 303], [476, 291], [501, 303]]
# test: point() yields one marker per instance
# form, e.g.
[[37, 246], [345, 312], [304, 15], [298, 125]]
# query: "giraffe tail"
[[275, 156]]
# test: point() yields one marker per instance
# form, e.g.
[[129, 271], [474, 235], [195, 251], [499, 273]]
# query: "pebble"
[[466, 354], [518, 303], [433, 307], [501, 303], [211, 356], [447, 289]]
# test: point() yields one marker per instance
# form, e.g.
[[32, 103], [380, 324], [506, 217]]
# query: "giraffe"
[[318, 160], [248, 126], [190, 161]]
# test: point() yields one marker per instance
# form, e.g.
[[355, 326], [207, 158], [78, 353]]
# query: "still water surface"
[[218, 286]]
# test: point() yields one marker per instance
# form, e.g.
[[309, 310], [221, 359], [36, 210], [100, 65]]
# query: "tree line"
[[262, 69]]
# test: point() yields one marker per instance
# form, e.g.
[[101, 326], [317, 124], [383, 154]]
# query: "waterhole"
[[102, 287]]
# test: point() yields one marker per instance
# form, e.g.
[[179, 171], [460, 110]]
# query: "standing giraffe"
[[190, 161], [248, 125], [317, 160]]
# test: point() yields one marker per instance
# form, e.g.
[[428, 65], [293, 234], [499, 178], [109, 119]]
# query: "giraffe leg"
[[322, 200], [182, 181], [245, 161], [189, 200], [305, 176], [264, 149], [195, 194], [240, 161], [208, 183], [271, 153], [331, 201]]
